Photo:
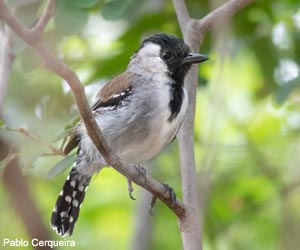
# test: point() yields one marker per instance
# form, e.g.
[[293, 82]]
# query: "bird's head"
[[165, 54]]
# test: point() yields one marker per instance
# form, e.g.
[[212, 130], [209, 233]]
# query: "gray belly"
[[138, 138], [137, 133]]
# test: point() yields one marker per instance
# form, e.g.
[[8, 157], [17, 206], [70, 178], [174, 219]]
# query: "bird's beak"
[[194, 58]]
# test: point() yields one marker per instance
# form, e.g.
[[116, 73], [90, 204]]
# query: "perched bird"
[[139, 112]]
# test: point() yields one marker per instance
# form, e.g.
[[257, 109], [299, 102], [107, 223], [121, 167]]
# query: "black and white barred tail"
[[66, 210]]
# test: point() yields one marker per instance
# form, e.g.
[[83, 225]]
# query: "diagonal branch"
[[220, 14], [56, 65], [40, 26], [13, 23], [29, 35]]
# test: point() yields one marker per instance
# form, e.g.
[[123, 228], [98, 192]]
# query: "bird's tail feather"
[[66, 210]]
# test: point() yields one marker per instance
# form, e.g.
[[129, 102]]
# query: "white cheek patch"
[[150, 50], [148, 61]]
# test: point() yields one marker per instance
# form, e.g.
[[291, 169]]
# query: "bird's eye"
[[166, 55]]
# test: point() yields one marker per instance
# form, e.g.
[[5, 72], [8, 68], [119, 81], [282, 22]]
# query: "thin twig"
[[40, 26], [36, 139]]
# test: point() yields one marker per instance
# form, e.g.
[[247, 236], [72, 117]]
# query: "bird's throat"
[[176, 100]]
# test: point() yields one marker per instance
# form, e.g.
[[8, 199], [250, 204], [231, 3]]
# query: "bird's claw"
[[152, 205], [171, 193], [141, 172], [130, 189], [154, 198]]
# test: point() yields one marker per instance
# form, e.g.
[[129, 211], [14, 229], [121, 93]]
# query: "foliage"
[[246, 128], [62, 165]]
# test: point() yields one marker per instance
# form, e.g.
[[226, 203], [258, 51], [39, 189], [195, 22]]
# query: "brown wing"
[[109, 96], [114, 91]]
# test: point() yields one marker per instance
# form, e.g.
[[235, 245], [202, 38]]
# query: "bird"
[[139, 112]]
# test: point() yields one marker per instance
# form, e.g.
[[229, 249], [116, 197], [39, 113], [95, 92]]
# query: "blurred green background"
[[247, 124]]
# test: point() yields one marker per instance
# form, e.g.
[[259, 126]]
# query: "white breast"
[[161, 130]]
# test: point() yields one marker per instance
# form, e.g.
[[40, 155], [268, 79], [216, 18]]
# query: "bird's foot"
[[154, 198], [171, 193], [152, 205], [141, 172], [130, 189]]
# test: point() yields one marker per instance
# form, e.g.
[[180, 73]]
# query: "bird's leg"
[[141, 172], [171, 193], [154, 198], [152, 204], [130, 189]]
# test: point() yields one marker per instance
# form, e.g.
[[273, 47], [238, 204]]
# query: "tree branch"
[[182, 14], [143, 225], [193, 32], [220, 14], [40, 26], [53, 63]]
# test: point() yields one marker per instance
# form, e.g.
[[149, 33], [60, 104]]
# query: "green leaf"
[[115, 9], [2, 123], [285, 90], [83, 3], [68, 18], [61, 166]]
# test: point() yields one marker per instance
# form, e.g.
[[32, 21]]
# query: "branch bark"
[[56, 65], [39, 28], [183, 17], [143, 225], [220, 14], [193, 32]]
